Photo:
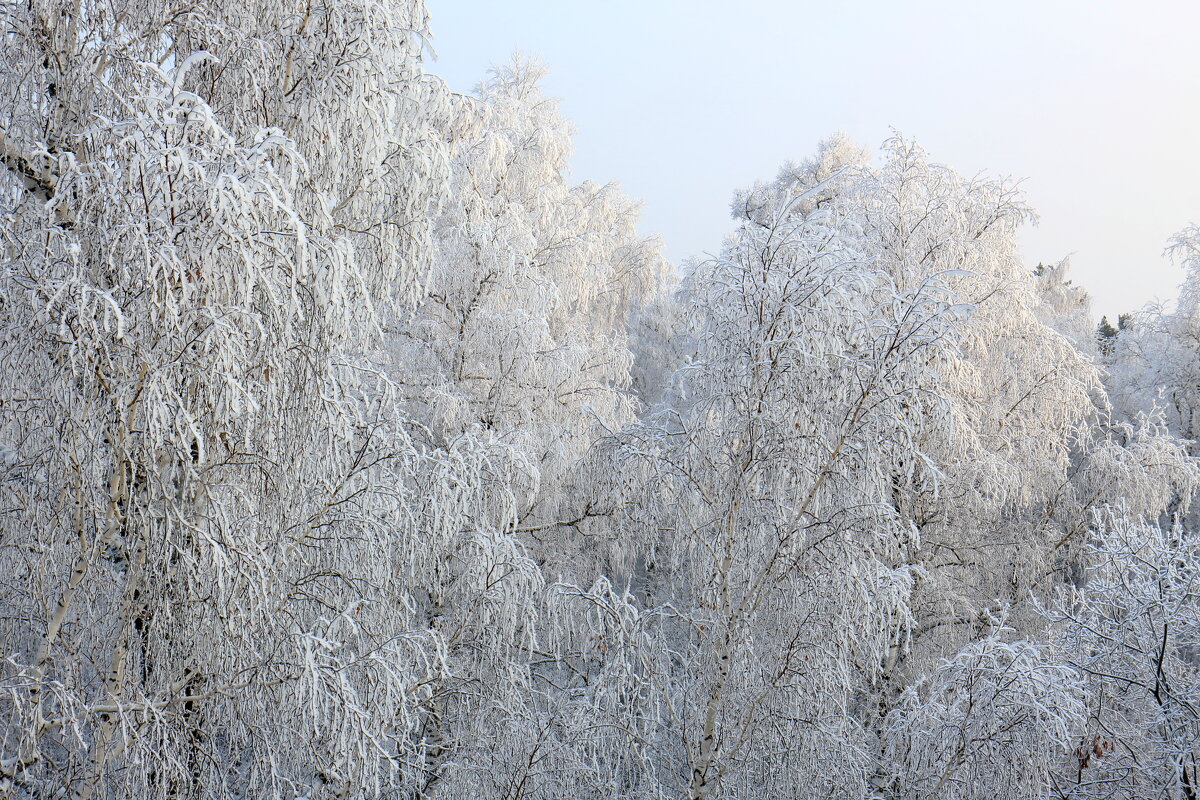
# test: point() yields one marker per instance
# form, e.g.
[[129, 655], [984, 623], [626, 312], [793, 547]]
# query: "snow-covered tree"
[[520, 347], [1066, 307], [994, 717], [1156, 356], [1133, 632], [347, 450], [765, 496], [214, 518], [1129, 626], [872, 401], [522, 334]]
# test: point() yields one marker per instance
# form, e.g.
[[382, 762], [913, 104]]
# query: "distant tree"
[[1105, 334], [1105, 329], [1155, 360], [1063, 306]]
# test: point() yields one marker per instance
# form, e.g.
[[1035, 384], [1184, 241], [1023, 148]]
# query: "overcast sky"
[[1094, 104]]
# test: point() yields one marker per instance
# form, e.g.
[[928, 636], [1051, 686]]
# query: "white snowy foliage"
[[348, 450], [991, 721], [1156, 359], [522, 334], [1066, 307], [218, 515], [1133, 630], [768, 490], [872, 431]]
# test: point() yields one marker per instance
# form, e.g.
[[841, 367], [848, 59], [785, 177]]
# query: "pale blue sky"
[[1094, 104]]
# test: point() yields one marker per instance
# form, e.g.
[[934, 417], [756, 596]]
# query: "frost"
[[349, 450]]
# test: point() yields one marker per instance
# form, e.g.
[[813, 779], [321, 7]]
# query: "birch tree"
[[1129, 626], [771, 533], [1030, 453], [1133, 633], [326, 468], [1156, 358], [522, 333], [519, 350], [213, 513], [901, 286], [1066, 307]]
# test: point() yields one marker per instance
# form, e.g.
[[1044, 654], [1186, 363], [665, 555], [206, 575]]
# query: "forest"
[[349, 450]]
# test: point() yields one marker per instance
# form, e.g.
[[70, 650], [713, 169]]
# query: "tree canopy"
[[350, 449]]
